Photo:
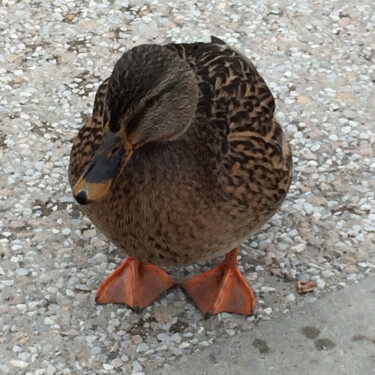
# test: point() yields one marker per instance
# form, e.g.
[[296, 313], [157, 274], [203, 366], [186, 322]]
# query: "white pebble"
[[7, 282], [308, 208], [320, 283], [49, 321], [66, 231], [327, 273], [142, 347], [136, 367], [185, 345], [268, 310], [22, 271], [24, 356], [267, 289], [333, 137], [18, 364], [298, 248], [352, 276], [51, 370]]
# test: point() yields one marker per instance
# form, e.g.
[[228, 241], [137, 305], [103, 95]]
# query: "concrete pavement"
[[335, 335]]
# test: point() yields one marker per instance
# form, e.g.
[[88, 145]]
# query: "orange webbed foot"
[[222, 288], [134, 283]]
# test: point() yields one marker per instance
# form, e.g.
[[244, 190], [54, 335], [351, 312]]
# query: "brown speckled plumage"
[[204, 193]]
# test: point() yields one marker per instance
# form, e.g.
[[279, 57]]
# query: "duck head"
[[152, 96]]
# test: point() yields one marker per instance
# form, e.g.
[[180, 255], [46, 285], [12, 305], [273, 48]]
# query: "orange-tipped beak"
[[106, 165]]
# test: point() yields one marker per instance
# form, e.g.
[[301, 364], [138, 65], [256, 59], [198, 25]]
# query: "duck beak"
[[106, 165]]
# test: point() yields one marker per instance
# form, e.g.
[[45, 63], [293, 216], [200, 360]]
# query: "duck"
[[181, 161]]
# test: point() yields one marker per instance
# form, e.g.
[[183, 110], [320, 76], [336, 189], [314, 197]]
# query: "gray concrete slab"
[[336, 335]]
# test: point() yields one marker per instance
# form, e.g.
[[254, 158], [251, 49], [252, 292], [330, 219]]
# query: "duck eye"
[[150, 102]]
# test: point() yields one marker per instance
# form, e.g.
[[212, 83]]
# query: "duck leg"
[[134, 283], [222, 288]]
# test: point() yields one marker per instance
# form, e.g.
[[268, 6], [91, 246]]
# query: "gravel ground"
[[318, 59]]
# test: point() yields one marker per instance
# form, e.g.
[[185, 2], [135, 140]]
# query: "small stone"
[[327, 273], [298, 248], [291, 297], [276, 272], [51, 370], [363, 264], [333, 137], [352, 277], [49, 321], [96, 350], [7, 282], [70, 17], [309, 209], [18, 364], [267, 289], [142, 347], [4, 369], [320, 283], [146, 19], [24, 356], [303, 99], [343, 22], [136, 367], [268, 310], [204, 343], [22, 271], [275, 11], [185, 345], [163, 337], [117, 362], [114, 322], [351, 268], [137, 339], [303, 277]]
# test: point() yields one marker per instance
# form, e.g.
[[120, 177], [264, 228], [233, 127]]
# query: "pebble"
[[136, 367], [49, 321], [18, 363], [24, 356], [327, 273], [320, 283], [51, 370], [352, 277], [22, 271], [185, 345], [142, 347], [267, 289], [298, 248], [7, 282], [4, 369]]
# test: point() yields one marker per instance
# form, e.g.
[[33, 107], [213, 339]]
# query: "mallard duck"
[[181, 161]]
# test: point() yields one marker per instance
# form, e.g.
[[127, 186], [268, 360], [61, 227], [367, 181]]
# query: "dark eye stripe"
[[136, 119]]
